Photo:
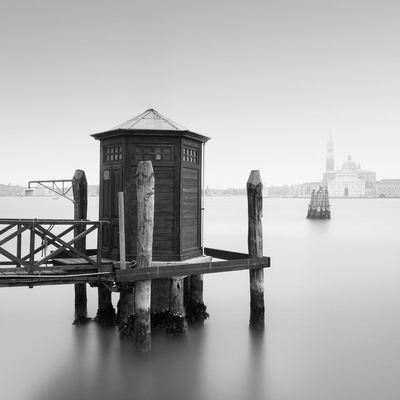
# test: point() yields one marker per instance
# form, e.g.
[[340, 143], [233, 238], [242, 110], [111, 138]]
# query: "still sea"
[[332, 298]]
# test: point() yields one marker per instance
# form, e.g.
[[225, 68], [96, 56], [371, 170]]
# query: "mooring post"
[[255, 244], [126, 302], [80, 189], [145, 208]]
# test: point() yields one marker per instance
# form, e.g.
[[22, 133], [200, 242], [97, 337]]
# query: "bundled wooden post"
[[255, 244], [145, 206], [79, 188]]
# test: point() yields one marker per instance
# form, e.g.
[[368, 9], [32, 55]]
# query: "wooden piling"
[[196, 309], [126, 311], [80, 189], [105, 312], [255, 245], [145, 209], [167, 305], [178, 325]]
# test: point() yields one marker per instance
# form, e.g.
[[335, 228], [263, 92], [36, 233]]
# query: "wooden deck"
[[78, 270], [60, 271]]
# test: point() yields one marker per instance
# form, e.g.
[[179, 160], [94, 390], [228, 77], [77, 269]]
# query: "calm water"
[[332, 299]]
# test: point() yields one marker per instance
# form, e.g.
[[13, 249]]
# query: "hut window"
[[113, 153], [190, 155], [154, 153]]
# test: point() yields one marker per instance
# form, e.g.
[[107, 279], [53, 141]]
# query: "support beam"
[[196, 311], [105, 311], [170, 269]]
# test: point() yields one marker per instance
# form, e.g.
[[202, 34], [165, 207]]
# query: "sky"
[[265, 80]]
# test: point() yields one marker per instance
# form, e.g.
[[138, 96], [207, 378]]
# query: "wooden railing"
[[15, 230]]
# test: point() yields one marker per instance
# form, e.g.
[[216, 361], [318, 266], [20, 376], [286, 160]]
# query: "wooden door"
[[112, 184]]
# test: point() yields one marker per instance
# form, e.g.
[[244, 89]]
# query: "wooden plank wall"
[[164, 212], [190, 208]]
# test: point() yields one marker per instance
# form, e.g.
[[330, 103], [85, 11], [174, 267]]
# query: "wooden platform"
[[78, 270], [60, 271]]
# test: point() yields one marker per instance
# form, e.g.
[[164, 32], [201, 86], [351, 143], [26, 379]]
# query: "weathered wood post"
[[196, 310], [80, 189], [255, 244], [126, 302], [145, 208], [178, 322], [105, 312]]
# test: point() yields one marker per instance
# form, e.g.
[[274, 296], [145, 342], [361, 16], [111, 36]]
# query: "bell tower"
[[330, 157]]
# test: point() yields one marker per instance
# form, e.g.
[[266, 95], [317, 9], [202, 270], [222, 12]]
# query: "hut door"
[[112, 184]]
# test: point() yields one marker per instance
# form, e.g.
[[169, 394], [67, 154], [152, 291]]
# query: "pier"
[[68, 262], [149, 239]]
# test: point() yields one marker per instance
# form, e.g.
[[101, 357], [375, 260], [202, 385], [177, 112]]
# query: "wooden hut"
[[177, 157]]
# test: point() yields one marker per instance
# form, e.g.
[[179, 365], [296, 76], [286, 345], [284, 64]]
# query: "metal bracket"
[[53, 185], [110, 288]]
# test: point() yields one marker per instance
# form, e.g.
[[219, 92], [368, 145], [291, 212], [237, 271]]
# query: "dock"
[[149, 237]]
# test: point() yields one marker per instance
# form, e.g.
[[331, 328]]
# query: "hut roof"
[[150, 122]]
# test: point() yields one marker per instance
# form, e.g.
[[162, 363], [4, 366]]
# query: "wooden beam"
[[169, 270], [224, 255]]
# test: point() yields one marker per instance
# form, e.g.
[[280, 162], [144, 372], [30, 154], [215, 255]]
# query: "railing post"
[[19, 244], [255, 244], [79, 187], [145, 208], [32, 248]]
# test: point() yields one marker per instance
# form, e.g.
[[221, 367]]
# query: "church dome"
[[349, 164]]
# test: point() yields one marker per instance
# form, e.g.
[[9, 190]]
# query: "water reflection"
[[332, 304]]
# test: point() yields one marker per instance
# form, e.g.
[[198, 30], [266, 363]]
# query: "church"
[[348, 181]]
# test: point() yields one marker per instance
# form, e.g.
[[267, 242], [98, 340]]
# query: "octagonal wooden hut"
[[177, 157]]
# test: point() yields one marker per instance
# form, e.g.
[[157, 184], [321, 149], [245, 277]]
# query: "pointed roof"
[[330, 140], [152, 123], [151, 120]]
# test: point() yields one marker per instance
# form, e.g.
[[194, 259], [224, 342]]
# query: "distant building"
[[350, 180], [11, 190], [305, 189], [330, 155], [388, 188]]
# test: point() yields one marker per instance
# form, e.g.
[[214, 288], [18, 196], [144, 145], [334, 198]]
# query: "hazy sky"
[[266, 80]]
